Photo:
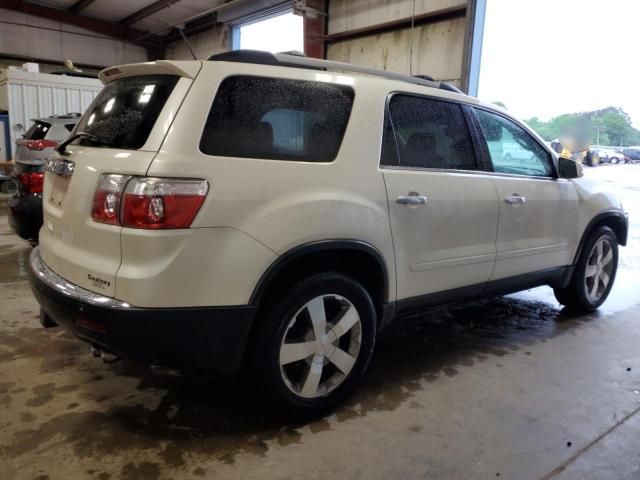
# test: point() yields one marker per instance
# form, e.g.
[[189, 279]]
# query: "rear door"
[[538, 211], [128, 121], [443, 208]]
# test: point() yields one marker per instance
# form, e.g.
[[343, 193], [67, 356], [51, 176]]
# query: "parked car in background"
[[612, 155], [42, 138], [7, 183], [371, 196], [32, 153], [632, 153]]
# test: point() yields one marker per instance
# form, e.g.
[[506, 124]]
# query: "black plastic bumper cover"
[[25, 215], [202, 338]]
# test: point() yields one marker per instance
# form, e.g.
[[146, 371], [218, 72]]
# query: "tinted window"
[[69, 126], [512, 149], [124, 112], [37, 131], [277, 119], [420, 132]]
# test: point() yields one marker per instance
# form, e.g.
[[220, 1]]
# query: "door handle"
[[515, 199], [412, 199]]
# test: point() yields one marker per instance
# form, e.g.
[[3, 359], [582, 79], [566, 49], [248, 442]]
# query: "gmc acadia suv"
[[274, 213]]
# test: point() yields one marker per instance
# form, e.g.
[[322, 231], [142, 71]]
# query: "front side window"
[[425, 133], [277, 119], [125, 111], [512, 149]]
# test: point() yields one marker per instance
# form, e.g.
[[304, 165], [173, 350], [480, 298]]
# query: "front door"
[[538, 211], [443, 209]]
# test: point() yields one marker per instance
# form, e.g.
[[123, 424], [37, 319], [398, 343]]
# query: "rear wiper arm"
[[62, 148]]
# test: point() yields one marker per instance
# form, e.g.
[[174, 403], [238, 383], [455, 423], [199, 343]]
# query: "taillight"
[[38, 144], [160, 203], [31, 182], [106, 199], [150, 203]]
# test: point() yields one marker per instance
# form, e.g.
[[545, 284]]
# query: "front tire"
[[594, 274], [315, 345]]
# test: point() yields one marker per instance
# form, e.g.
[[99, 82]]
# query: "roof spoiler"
[[188, 69]]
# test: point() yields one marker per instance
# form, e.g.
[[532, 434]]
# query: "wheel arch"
[[342, 255], [614, 219]]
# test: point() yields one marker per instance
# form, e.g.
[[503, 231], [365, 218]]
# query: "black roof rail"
[[450, 88], [258, 57]]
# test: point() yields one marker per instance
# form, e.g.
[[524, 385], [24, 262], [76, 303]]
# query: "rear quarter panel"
[[284, 204]]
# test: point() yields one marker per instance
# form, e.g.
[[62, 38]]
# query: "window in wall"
[[282, 32]]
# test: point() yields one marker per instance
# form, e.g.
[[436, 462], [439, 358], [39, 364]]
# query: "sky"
[[547, 57]]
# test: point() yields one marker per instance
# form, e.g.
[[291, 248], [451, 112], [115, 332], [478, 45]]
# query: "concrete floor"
[[509, 387]]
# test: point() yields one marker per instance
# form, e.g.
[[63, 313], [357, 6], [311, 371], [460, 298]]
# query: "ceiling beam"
[[199, 25], [110, 29], [145, 12], [80, 5]]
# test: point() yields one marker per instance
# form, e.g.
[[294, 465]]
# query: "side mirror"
[[568, 168]]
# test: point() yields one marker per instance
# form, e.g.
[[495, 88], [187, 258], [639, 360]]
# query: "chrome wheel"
[[320, 346], [597, 274]]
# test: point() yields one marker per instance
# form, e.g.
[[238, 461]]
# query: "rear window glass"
[[124, 112], [277, 119], [37, 131]]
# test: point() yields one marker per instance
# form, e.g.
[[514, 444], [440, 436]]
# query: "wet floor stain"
[[13, 262]]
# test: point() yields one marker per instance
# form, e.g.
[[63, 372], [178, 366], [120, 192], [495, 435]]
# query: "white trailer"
[[27, 95]]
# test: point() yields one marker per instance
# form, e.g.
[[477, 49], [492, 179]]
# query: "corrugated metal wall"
[[438, 48], [30, 95], [28, 36]]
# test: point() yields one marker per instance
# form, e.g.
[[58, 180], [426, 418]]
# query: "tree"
[[608, 126]]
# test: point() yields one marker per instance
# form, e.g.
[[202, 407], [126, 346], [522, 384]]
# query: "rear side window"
[[424, 133], [37, 131], [278, 119], [125, 111]]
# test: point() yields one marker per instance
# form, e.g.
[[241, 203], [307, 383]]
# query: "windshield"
[[124, 112]]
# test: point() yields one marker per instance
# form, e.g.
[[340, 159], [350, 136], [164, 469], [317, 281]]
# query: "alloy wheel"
[[320, 346], [597, 275]]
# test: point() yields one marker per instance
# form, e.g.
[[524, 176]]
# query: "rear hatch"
[[34, 142], [127, 123]]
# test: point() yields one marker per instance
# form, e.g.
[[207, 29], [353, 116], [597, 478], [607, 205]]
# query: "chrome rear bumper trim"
[[47, 276]]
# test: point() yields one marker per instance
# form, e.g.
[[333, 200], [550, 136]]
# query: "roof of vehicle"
[[62, 119], [257, 57], [299, 60]]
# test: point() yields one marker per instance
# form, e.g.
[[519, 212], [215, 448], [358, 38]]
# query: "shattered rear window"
[[125, 111]]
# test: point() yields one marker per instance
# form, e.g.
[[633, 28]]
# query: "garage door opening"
[[281, 32]]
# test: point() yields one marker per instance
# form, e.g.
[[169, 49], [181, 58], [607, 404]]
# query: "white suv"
[[274, 213]]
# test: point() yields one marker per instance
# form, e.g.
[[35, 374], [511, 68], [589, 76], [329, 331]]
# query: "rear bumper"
[[25, 215], [203, 338]]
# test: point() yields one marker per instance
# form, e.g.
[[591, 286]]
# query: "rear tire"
[[594, 273], [331, 320]]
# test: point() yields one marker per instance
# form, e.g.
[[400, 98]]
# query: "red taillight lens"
[[31, 182], [162, 203], [106, 199], [38, 144], [152, 203]]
